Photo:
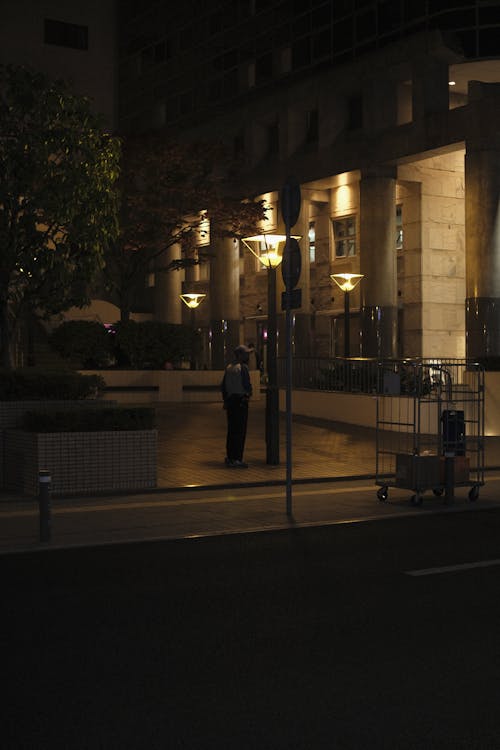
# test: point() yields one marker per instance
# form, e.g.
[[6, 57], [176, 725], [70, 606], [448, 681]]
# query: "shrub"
[[149, 344], [90, 420], [86, 343], [34, 384]]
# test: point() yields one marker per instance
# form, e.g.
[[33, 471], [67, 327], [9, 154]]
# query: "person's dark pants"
[[237, 418]]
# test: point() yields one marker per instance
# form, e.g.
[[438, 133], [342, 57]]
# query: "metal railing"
[[412, 377]]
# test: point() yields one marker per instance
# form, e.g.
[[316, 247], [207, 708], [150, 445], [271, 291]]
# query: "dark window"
[[321, 44], [161, 52], [312, 127], [489, 15], [468, 42], [413, 9], [263, 68], [239, 144], [456, 19], [355, 112], [389, 16], [320, 16], [436, 6], [273, 138], [301, 25], [365, 25], [341, 8], [66, 34], [489, 42], [301, 53], [343, 35]]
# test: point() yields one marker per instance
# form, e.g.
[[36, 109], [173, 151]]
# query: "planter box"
[[12, 414], [80, 462]]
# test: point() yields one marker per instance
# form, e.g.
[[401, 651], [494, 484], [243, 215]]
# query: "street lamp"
[[268, 249], [346, 282], [192, 300]]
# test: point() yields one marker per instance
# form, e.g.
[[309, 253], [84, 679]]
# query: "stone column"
[[378, 263], [168, 287], [482, 225], [224, 300]]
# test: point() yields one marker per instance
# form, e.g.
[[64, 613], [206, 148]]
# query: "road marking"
[[452, 568]]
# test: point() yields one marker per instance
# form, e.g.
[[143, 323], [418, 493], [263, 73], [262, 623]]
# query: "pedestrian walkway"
[[333, 481], [192, 440]]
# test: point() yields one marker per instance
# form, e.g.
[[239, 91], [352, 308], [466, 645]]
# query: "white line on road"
[[452, 568]]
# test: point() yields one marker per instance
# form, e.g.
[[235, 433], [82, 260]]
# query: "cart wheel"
[[382, 494], [416, 499], [474, 493], [438, 491]]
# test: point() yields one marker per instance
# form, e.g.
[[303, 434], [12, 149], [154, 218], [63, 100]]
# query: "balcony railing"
[[413, 377]]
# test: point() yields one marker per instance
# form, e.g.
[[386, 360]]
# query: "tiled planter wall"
[[12, 413], [81, 462]]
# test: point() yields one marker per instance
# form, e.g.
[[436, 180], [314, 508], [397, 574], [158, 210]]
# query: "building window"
[[273, 139], [239, 145], [399, 227], [66, 34], [312, 126], [344, 236], [312, 241], [263, 68], [355, 112]]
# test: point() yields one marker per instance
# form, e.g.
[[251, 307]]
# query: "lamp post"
[[268, 249], [192, 300], [347, 282]]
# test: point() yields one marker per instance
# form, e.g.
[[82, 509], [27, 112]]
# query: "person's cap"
[[242, 349]]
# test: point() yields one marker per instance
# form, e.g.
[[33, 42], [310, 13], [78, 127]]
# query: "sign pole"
[[290, 202]]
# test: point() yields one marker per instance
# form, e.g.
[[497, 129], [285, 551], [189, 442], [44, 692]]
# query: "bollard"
[[44, 480]]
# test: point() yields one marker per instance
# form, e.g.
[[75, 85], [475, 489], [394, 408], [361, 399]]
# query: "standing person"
[[236, 390]]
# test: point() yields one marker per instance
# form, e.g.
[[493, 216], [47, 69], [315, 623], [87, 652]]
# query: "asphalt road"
[[328, 637]]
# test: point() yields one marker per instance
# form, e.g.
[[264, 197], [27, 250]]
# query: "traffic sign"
[[292, 263], [291, 300]]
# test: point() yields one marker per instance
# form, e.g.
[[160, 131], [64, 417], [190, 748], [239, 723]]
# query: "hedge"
[[90, 420], [35, 384]]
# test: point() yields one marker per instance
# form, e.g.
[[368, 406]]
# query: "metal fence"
[[412, 377]]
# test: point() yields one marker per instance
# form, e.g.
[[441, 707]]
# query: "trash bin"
[[453, 429]]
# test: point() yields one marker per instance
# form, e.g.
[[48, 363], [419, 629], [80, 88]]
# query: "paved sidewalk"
[[197, 495], [192, 440], [198, 513]]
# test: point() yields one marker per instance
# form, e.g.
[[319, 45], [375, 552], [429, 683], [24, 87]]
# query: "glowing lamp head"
[[267, 248], [192, 300], [347, 281]]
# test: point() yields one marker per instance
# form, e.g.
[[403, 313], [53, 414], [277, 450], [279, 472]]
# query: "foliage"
[[86, 343], [150, 344], [90, 420], [167, 190], [34, 384], [58, 208]]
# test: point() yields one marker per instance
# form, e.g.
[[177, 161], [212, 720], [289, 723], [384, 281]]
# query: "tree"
[[167, 189], [58, 208]]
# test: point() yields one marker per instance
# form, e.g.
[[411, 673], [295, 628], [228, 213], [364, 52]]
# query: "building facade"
[[74, 41], [385, 114]]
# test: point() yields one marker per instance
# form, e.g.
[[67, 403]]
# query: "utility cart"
[[430, 428]]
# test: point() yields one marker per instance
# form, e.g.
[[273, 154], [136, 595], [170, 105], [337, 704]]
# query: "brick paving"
[[192, 448]]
